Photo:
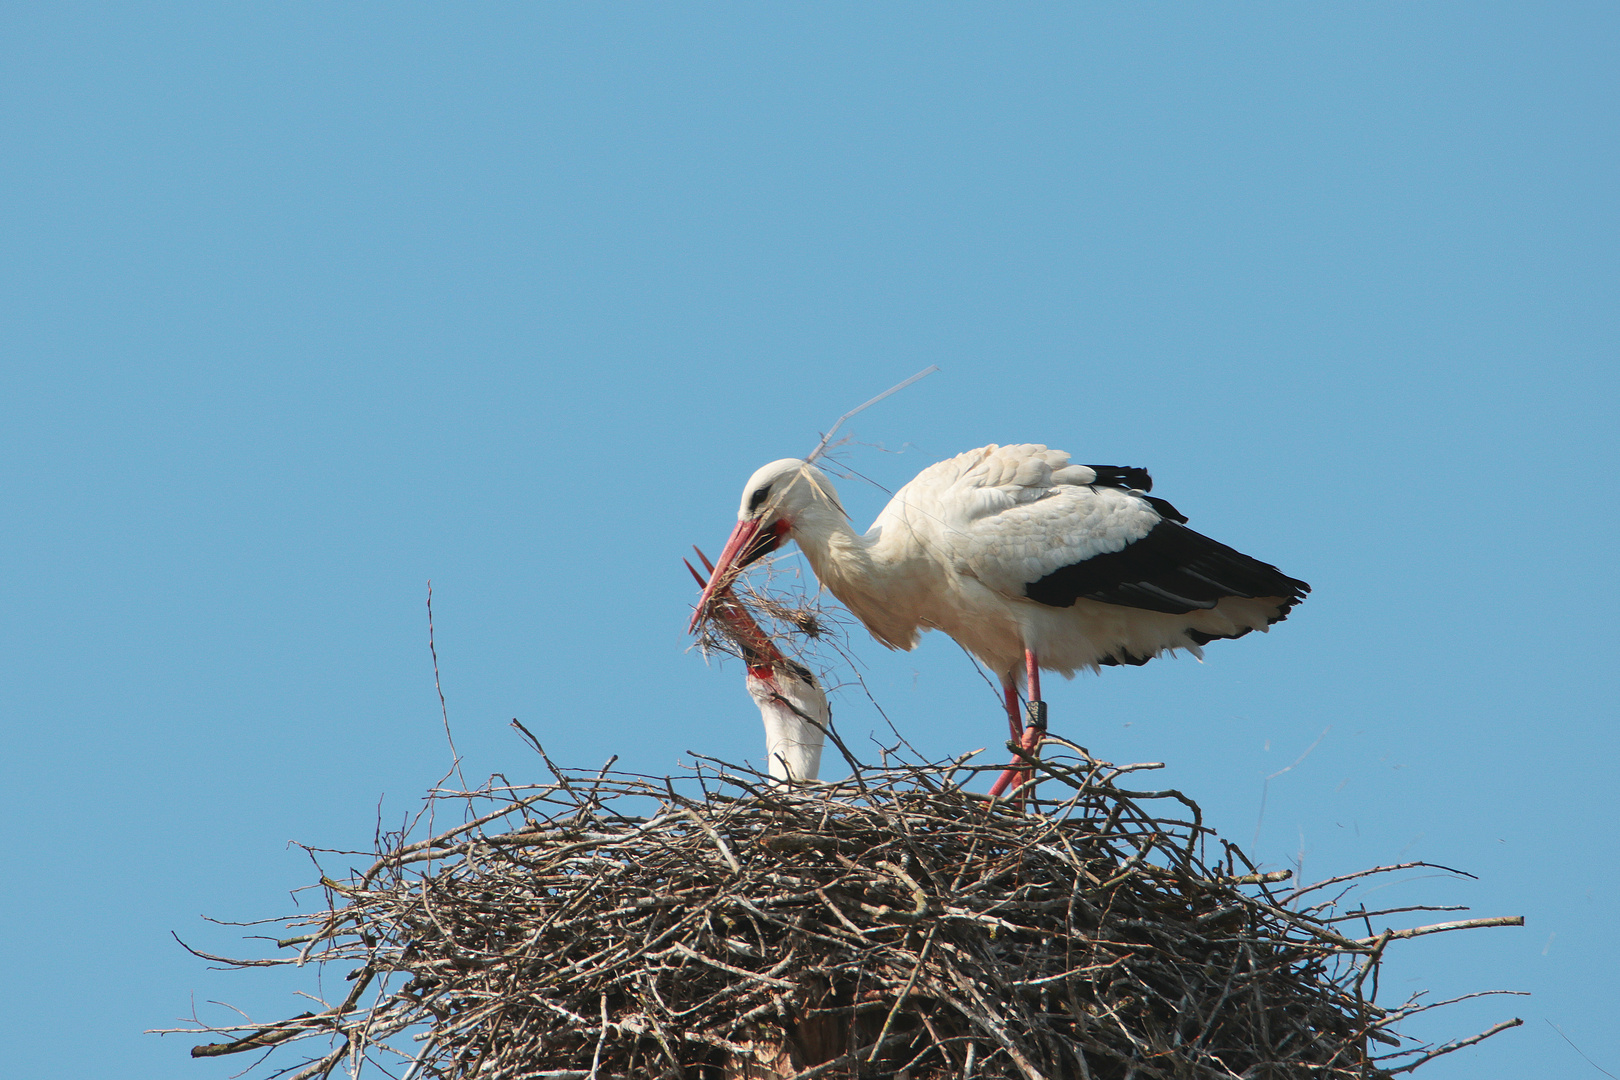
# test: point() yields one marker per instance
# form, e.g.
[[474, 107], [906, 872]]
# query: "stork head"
[[774, 500]]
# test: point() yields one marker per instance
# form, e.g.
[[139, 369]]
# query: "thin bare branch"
[[895, 389]]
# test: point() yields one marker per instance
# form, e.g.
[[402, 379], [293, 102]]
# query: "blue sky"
[[305, 305]]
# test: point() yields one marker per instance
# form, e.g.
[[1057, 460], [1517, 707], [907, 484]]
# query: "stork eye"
[[757, 499]]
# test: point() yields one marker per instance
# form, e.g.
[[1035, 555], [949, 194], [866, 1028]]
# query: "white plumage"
[[1024, 558], [796, 715]]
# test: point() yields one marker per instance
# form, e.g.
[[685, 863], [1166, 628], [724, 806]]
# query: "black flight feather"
[[1165, 510], [1173, 570], [1122, 476]]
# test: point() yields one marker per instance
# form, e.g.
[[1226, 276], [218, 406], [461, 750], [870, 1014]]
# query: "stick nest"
[[891, 925]]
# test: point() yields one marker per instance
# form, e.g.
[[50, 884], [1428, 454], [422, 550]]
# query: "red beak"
[[726, 570]]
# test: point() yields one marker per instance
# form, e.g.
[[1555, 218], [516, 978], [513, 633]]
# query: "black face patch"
[[757, 499]]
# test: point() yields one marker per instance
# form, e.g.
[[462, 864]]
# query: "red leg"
[[1003, 782], [1037, 707], [1027, 738], [1031, 742], [1015, 725], [1015, 714]]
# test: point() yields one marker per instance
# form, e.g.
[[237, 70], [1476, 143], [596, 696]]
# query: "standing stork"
[[1028, 561]]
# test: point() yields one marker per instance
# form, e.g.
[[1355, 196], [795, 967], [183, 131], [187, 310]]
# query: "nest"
[[891, 925]]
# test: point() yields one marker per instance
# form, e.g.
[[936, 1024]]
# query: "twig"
[[1265, 787], [1437, 928], [444, 710], [1458, 1045], [1581, 1052], [895, 389]]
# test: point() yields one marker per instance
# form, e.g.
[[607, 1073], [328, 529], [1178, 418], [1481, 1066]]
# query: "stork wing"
[[1025, 522], [1171, 569]]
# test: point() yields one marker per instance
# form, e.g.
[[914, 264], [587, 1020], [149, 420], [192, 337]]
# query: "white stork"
[[1028, 561], [791, 701]]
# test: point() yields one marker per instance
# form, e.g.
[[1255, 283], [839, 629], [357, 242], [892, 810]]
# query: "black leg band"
[[1037, 714]]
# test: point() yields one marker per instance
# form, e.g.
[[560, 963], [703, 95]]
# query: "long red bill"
[[724, 571]]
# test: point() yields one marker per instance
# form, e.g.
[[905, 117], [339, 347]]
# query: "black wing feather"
[[1172, 569], [1165, 510], [1122, 476]]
